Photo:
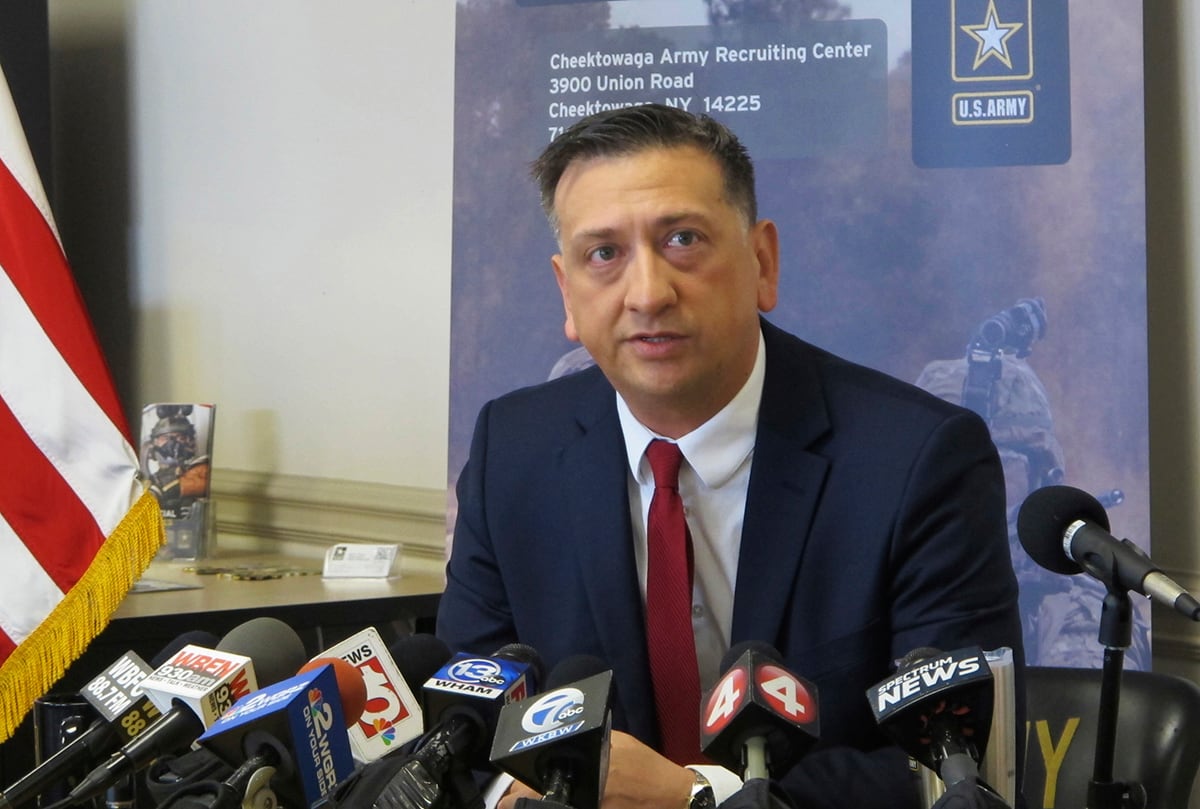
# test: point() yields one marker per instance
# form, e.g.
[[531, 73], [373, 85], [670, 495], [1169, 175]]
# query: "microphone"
[[465, 696], [292, 735], [392, 715], [558, 742], [759, 718], [192, 689], [462, 704], [938, 708], [124, 710], [1065, 530], [351, 690]]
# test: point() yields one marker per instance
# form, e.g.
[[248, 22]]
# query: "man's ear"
[[560, 275], [765, 243]]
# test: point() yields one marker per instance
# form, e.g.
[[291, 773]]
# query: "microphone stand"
[[540, 803], [1116, 635], [557, 795]]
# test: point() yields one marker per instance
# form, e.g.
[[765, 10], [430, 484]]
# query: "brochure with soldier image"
[[176, 456]]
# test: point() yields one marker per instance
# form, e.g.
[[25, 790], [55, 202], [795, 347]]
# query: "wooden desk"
[[314, 606]]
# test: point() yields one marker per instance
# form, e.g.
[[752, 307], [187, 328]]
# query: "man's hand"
[[638, 778]]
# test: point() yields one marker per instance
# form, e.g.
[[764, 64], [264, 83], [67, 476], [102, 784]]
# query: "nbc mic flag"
[[77, 527]]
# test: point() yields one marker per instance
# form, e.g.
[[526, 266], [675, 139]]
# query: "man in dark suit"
[[842, 516]]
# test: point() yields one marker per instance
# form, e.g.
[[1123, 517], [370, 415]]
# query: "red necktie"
[[670, 640]]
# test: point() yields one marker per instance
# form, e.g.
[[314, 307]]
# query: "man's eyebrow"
[[593, 233], [675, 218], [666, 220]]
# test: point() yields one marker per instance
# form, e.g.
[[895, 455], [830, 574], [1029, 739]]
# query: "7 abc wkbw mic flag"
[[77, 527]]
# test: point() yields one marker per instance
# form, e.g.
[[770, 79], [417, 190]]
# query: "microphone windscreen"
[[351, 688], [916, 656], [196, 637], [523, 653], [574, 668], [418, 657], [1046, 515], [275, 648], [760, 647]]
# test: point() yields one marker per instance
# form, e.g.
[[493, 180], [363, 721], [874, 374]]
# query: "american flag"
[[77, 527]]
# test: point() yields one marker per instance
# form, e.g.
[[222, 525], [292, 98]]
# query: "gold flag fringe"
[[38, 662]]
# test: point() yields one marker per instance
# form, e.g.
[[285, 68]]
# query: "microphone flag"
[[302, 721], [208, 681], [916, 704], [486, 680], [469, 691], [118, 696], [758, 699], [560, 733], [393, 713]]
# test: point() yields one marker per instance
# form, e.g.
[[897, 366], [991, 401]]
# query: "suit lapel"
[[785, 486], [594, 478]]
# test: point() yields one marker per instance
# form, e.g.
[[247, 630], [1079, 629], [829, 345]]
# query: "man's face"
[[662, 281]]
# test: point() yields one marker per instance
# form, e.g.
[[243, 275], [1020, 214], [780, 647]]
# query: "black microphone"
[[965, 795], [464, 697], [557, 742], [125, 712], [1065, 530], [938, 708], [462, 704], [419, 657], [759, 718], [194, 687]]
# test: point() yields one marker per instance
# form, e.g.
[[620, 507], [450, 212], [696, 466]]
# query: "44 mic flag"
[[77, 527]]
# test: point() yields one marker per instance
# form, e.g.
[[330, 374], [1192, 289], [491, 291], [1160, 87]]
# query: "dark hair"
[[627, 130]]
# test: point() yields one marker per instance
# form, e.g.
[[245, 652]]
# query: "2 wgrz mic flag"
[[77, 527]]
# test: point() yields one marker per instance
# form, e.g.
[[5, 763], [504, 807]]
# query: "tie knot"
[[665, 459]]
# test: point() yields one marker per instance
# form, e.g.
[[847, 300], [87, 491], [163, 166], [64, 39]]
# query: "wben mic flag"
[[76, 526]]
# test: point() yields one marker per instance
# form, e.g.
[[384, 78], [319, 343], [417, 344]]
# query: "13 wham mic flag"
[[77, 527]]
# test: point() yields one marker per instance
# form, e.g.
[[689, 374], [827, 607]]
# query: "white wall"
[[288, 222]]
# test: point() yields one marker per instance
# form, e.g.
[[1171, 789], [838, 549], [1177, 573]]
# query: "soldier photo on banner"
[[1060, 614]]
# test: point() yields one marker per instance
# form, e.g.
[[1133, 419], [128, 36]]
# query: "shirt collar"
[[715, 449]]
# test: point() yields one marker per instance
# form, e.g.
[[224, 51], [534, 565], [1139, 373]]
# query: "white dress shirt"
[[713, 481]]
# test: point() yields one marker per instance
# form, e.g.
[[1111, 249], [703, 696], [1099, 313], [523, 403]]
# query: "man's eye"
[[684, 238], [603, 254]]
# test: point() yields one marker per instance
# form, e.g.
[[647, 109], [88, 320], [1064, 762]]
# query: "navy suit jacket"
[[874, 525]]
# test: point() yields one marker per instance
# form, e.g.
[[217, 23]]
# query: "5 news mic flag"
[[77, 527]]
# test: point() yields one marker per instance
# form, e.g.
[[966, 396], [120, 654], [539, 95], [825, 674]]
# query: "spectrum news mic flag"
[[77, 527], [938, 707]]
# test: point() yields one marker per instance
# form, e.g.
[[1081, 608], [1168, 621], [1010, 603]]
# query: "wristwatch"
[[702, 793]]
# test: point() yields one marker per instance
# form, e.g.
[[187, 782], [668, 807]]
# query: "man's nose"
[[650, 282]]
